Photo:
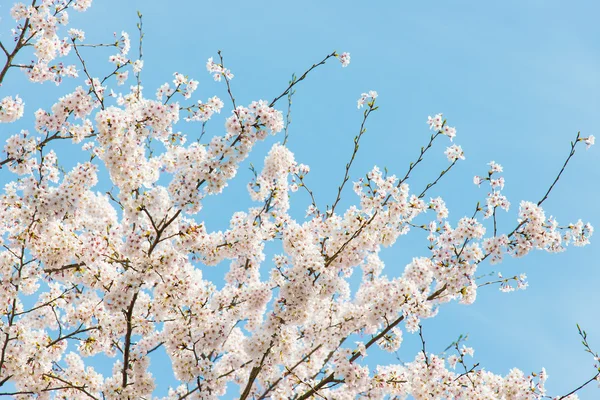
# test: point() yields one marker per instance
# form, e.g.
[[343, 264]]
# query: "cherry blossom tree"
[[121, 273]]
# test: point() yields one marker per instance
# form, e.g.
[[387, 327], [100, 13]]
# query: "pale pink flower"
[[344, 59], [11, 109]]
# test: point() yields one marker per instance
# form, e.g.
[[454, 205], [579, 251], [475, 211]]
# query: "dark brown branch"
[[92, 86], [20, 44], [127, 349], [63, 268], [71, 386], [254, 373], [70, 335], [331, 377], [423, 345], [47, 303], [592, 379], [289, 371]]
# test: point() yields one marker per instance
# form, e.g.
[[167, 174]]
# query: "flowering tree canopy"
[[121, 273]]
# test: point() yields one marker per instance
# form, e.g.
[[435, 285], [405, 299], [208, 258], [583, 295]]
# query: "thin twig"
[[354, 152]]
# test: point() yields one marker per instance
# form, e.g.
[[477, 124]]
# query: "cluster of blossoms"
[[438, 124], [11, 109], [430, 377], [363, 98], [537, 231], [218, 70], [125, 272], [123, 43], [189, 85], [494, 198], [38, 24], [20, 148], [344, 59], [182, 83], [454, 153], [520, 280], [204, 111], [77, 105]]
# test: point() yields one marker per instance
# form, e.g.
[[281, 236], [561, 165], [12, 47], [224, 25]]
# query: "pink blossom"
[[344, 59]]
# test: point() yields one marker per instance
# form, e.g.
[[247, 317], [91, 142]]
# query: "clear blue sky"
[[517, 78]]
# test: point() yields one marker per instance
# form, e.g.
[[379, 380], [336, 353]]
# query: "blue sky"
[[517, 78]]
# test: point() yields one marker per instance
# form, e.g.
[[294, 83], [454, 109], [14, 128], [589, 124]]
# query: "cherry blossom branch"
[[14, 393], [571, 154], [170, 96], [113, 73], [238, 137], [501, 281], [4, 49], [254, 373], [329, 260], [161, 228], [22, 66], [12, 315], [423, 345], [199, 386], [413, 165], [85, 71], [461, 360], [329, 356], [127, 347], [3, 381], [20, 44], [70, 335], [588, 349], [41, 145], [316, 390], [288, 117], [140, 52], [227, 82], [63, 268], [331, 377], [524, 221], [494, 219], [458, 253], [58, 10], [467, 372], [7, 338], [145, 211], [235, 109], [592, 379], [47, 389], [374, 339], [430, 185], [70, 385], [294, 81], [389, 327], [231, 371], [289, 371], [48, 303], [98, 45], [190, 392], [357, 138], [310, 192]]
